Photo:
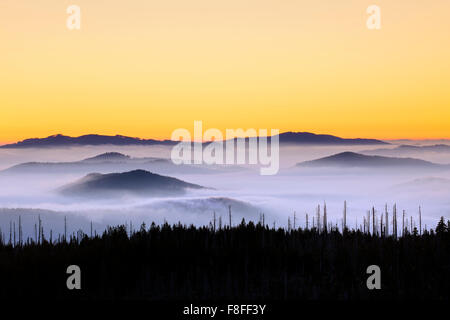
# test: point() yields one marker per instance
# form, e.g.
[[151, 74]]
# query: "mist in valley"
[[298, 189]]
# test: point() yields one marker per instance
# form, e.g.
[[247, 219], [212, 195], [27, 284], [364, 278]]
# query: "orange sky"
[[144, 68]]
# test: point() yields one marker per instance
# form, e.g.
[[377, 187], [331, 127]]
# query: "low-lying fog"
[[292, 190]]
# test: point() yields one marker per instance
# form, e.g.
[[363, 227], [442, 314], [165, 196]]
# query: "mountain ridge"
[[352, 159], [59, 140], [289, 137], [111, 162]]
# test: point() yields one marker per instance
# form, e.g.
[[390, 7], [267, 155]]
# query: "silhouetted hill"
[[60, 140], [311, 138], [108, 156], [138, 182], [352, 159]]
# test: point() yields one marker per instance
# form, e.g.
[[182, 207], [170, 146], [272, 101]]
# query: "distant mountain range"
[[137, 182], [60, 140], [115, 162], [323, 139], [408, 149], [352, 160], [118, 140]]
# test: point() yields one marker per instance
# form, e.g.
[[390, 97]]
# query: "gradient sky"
[[144, 67]]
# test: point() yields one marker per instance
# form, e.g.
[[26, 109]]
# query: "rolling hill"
[[137, 182], [352, 159]]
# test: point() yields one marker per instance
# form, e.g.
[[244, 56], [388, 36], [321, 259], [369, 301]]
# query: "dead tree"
[[307, 222], [65, 229], [420, 220], [318, 218], [364, 224], [403, 223], [39, 229], [394, 221], [382, 232], [411, 226], [373, 221], [20, 231], [345, 216], [10, 232], [387, 220], [295, 218]]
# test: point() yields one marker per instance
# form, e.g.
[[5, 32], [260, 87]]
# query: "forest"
[[250, 261]]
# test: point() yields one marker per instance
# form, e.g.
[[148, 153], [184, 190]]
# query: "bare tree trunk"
[[411, 226], [307, 222], [39, 229], [387, 220], [403, 223], [345, 216], [394, 221], [420, 220], [382, 232], [318, 218], [295, 218], [373, 221]]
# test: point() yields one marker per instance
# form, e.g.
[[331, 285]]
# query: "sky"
[[145, 68]]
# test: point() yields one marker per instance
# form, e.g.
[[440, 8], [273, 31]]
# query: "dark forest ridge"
[[352, 159], [138, 182], [241, 262], [60, 140]]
